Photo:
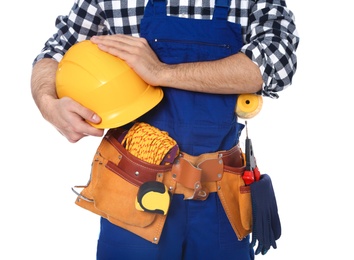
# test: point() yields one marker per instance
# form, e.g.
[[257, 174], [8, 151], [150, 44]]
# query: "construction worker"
[[203, 54]]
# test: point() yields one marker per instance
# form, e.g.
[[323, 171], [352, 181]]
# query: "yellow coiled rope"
[[148, 143]]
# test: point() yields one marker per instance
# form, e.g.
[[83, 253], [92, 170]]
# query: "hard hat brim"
[[124, 116]]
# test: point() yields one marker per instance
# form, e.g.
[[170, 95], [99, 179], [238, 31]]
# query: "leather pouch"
[[235, 197], [111, 191]]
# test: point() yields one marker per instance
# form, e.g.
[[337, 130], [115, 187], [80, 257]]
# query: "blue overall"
[[200, 123]]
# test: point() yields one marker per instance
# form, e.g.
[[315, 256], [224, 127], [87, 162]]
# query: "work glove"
[[266, 227]]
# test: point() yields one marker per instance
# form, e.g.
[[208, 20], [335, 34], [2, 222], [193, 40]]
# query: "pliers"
[[251, 173]]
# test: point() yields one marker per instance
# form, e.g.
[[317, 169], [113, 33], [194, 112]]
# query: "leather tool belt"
[[116, 176]]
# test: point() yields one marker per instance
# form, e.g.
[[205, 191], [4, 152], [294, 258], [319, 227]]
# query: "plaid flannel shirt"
[[269, 32]]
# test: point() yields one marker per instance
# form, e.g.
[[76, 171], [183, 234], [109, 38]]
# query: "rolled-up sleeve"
[[82, 22], [271, 42]]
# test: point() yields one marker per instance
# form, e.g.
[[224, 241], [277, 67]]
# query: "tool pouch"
[[219, 172], [116, 176], [235, 197], [114, 182]]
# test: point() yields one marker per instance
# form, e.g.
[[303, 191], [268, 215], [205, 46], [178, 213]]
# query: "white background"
[[303, 140]]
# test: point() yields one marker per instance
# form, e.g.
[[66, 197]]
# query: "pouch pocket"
[[115, 197], [236, 200], [111, 191]]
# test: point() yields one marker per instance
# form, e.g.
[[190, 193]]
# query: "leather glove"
[[266, 227]]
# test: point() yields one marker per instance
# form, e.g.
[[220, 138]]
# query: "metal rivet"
[[136, 173], [159, 175], [202, 194], [197, 185], [219, 175], [220, 161], [170, 188], [120, 157], [219, 188], [174, 176], [155, 239]]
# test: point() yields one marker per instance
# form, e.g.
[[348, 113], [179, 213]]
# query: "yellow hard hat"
[[105, 84]]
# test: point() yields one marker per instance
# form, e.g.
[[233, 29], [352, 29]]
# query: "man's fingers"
[[93, 118], [84, 112], [78, 120]]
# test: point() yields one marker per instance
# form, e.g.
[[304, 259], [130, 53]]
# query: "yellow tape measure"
[[153, 196], [248, 105]]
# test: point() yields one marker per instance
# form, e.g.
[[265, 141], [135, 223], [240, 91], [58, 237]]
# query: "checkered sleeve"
[[271, 42], [82, 22]]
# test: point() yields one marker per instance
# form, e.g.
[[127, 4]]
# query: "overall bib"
[[200, 123]]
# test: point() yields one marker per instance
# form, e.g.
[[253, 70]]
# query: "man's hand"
[[136, 52], [72, 120], [66, 115]]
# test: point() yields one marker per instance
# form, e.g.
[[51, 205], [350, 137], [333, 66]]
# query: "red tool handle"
[[257, 174], [248, 177]]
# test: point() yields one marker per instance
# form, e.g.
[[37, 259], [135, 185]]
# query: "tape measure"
[[154, 197], [248, 105]]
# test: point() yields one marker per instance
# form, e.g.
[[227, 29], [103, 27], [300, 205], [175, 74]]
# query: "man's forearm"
[[43, 82], [236, 74]]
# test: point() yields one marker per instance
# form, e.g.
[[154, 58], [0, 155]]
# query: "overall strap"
[[221, 10], [156, 8]]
